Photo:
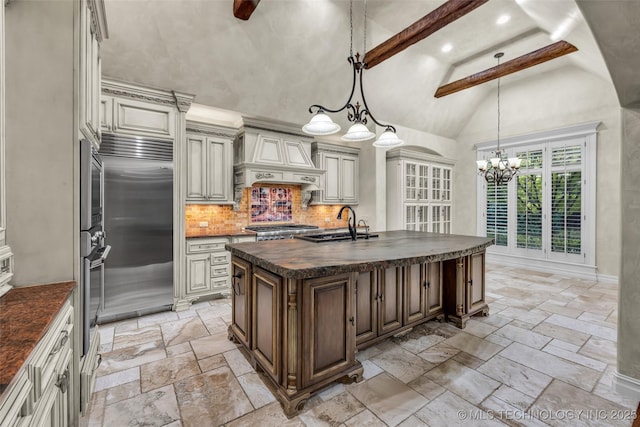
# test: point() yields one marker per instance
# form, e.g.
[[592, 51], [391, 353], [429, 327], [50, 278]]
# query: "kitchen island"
[[302, 309]]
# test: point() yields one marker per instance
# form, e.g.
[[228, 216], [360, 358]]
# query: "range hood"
[[276, 153]]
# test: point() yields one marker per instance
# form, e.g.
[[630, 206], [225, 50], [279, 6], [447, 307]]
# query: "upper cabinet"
[[419, 191], [340, 182], [93, 29], [128, 116], [209, 167]]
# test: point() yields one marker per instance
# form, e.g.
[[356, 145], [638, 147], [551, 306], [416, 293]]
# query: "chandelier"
[[499, 169], [321, 123]]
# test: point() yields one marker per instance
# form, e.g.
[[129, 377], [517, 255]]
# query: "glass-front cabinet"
[[425, 197]]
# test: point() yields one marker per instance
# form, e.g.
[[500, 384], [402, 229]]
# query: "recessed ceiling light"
[[447, 47], [503, 19]]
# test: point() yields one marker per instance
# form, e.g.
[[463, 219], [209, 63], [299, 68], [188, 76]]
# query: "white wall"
[[41, 145], [554, 99]]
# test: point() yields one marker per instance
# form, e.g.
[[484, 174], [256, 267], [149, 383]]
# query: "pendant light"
[[321, 123]]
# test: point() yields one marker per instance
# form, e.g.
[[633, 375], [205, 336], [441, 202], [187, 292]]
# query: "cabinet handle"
[[63, 381], [353, 321], [471, 282], [236, 284], [63, 341], [381, 297]]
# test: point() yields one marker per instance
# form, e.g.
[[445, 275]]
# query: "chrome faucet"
[[352, 220]]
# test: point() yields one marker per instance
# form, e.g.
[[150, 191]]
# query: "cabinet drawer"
[[219, 270], [221, 284], [55, 345], [217, 259], [205, 245]]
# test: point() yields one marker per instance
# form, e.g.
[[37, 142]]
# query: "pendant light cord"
[[498, 56], [351, 28], [364, 51]]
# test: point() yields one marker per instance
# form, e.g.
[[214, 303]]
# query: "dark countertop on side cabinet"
[[25, 316], [300, 259]]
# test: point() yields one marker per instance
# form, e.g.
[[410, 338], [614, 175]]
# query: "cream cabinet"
[[208, 269], [92, 31], [209, 167], [43, 390], [340, 182], [138, 118], [419, 191]]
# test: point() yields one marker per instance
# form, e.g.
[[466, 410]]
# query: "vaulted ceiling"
[[293, 53]]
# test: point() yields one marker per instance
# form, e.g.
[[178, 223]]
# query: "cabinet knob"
[[353, 321], [63, 381], [471, 282]]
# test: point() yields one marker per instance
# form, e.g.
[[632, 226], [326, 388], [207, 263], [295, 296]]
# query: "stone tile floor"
[[546, 355]]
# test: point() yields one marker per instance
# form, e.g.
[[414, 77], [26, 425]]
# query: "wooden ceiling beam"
[[530, 59], [427, 25], [242, 9]]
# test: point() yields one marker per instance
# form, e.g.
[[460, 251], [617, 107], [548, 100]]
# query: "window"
[[547, 211]]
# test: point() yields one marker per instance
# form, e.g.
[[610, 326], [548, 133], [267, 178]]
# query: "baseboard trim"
[[579, 271], [626, 386], [573, 270]]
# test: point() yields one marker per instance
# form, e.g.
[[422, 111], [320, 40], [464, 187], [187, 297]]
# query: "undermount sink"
[[332, 237]]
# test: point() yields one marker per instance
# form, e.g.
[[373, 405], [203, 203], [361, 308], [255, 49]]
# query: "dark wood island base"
[[301, 310]]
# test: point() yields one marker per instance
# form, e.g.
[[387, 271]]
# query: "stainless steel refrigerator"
[[138, 225]]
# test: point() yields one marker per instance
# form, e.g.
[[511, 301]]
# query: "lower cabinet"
[[241, 304], [396, 298], [42, 393], [329, 321], [464, 288], [266, 321], [208, 269]]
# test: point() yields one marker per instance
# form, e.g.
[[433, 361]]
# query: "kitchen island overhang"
[[302, 309]]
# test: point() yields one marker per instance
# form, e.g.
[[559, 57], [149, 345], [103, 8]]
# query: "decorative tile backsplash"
[[271, 204], [223, 219]]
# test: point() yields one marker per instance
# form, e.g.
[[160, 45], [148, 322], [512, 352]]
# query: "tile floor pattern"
[[546, 355]]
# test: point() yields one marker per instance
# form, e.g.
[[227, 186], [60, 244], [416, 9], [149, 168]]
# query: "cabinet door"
[[414, 293], [198, 273], [390, 299], [332, 183], [434, 287], [349, 179], [142, 118], [241, 288], [366, 307], [266, 292], [196, 167], [328, 326], [218, 161], [475, 281]]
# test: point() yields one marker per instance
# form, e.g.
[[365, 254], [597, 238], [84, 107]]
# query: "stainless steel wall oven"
[[93, 251]]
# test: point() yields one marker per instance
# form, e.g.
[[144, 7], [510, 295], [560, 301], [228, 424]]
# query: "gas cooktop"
[[280, 231], [280, 227]]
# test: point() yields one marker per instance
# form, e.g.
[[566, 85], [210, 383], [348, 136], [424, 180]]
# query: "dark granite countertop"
[[25, 316], [300, 259]]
